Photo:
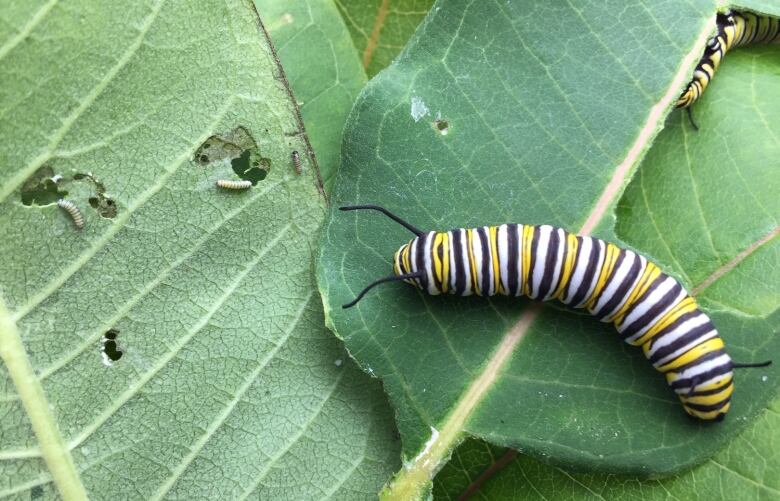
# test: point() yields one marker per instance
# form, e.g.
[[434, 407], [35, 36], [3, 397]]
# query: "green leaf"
[[547, 115], [322, 67], [705, 203], [381, 28], [228, 383], [746, 469], [472, 465], [680, 164]]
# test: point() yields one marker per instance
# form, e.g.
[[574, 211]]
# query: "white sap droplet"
[[428, 445], [106, 361], [338, 362], [764, 378], [419, 109]]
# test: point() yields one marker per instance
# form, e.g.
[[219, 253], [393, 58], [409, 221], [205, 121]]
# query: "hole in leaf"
[[238, 148], [225, 146], [104, 206], [441, 126], [42, 188], [111, 351], [251, 166]]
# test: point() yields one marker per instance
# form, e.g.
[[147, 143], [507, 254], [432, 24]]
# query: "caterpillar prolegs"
[[649, 308], [734, 29]]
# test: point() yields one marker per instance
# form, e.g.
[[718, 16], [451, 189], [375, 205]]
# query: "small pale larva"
[[75, 213], [296, 158], [234, 185]]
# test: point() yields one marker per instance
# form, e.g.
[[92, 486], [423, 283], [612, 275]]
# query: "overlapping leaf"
[[322, 66], [381, 28], [540, 128], [745, 469], [228, 384]]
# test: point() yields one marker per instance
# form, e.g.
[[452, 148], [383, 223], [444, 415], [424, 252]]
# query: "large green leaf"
[[381, 28], [650, 213], [546, 115], [322, 67], [228, 384], [746, 469]]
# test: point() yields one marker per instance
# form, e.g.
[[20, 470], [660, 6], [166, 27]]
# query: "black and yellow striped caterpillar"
[[649, 308], [734, 29]]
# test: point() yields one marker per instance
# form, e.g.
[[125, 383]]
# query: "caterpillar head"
[[406, 261], [403, 260]]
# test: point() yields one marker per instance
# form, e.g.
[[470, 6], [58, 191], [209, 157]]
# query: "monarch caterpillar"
[[734, 29], [75, 213], [649, 308], [296, 158], [234, 185]]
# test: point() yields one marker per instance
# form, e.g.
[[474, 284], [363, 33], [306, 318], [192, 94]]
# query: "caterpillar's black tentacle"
[[737, 365], [386, 213], [689, 111], [391, 278]]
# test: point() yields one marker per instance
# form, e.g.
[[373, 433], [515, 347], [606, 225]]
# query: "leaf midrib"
[[53, 448]]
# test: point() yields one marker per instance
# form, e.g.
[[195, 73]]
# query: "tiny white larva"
[[296, 158], [234, 185], [75, 213]]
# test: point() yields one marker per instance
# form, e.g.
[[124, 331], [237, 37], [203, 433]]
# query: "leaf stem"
[[414, 480], [53, 448]]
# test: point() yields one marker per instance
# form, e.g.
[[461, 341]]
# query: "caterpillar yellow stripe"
[[734, 29], [649, 308]]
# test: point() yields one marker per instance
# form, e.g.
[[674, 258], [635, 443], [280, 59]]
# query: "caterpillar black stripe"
[[734, 29], [648, 308]]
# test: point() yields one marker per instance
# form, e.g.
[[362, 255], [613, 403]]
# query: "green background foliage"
[[381, 28]]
